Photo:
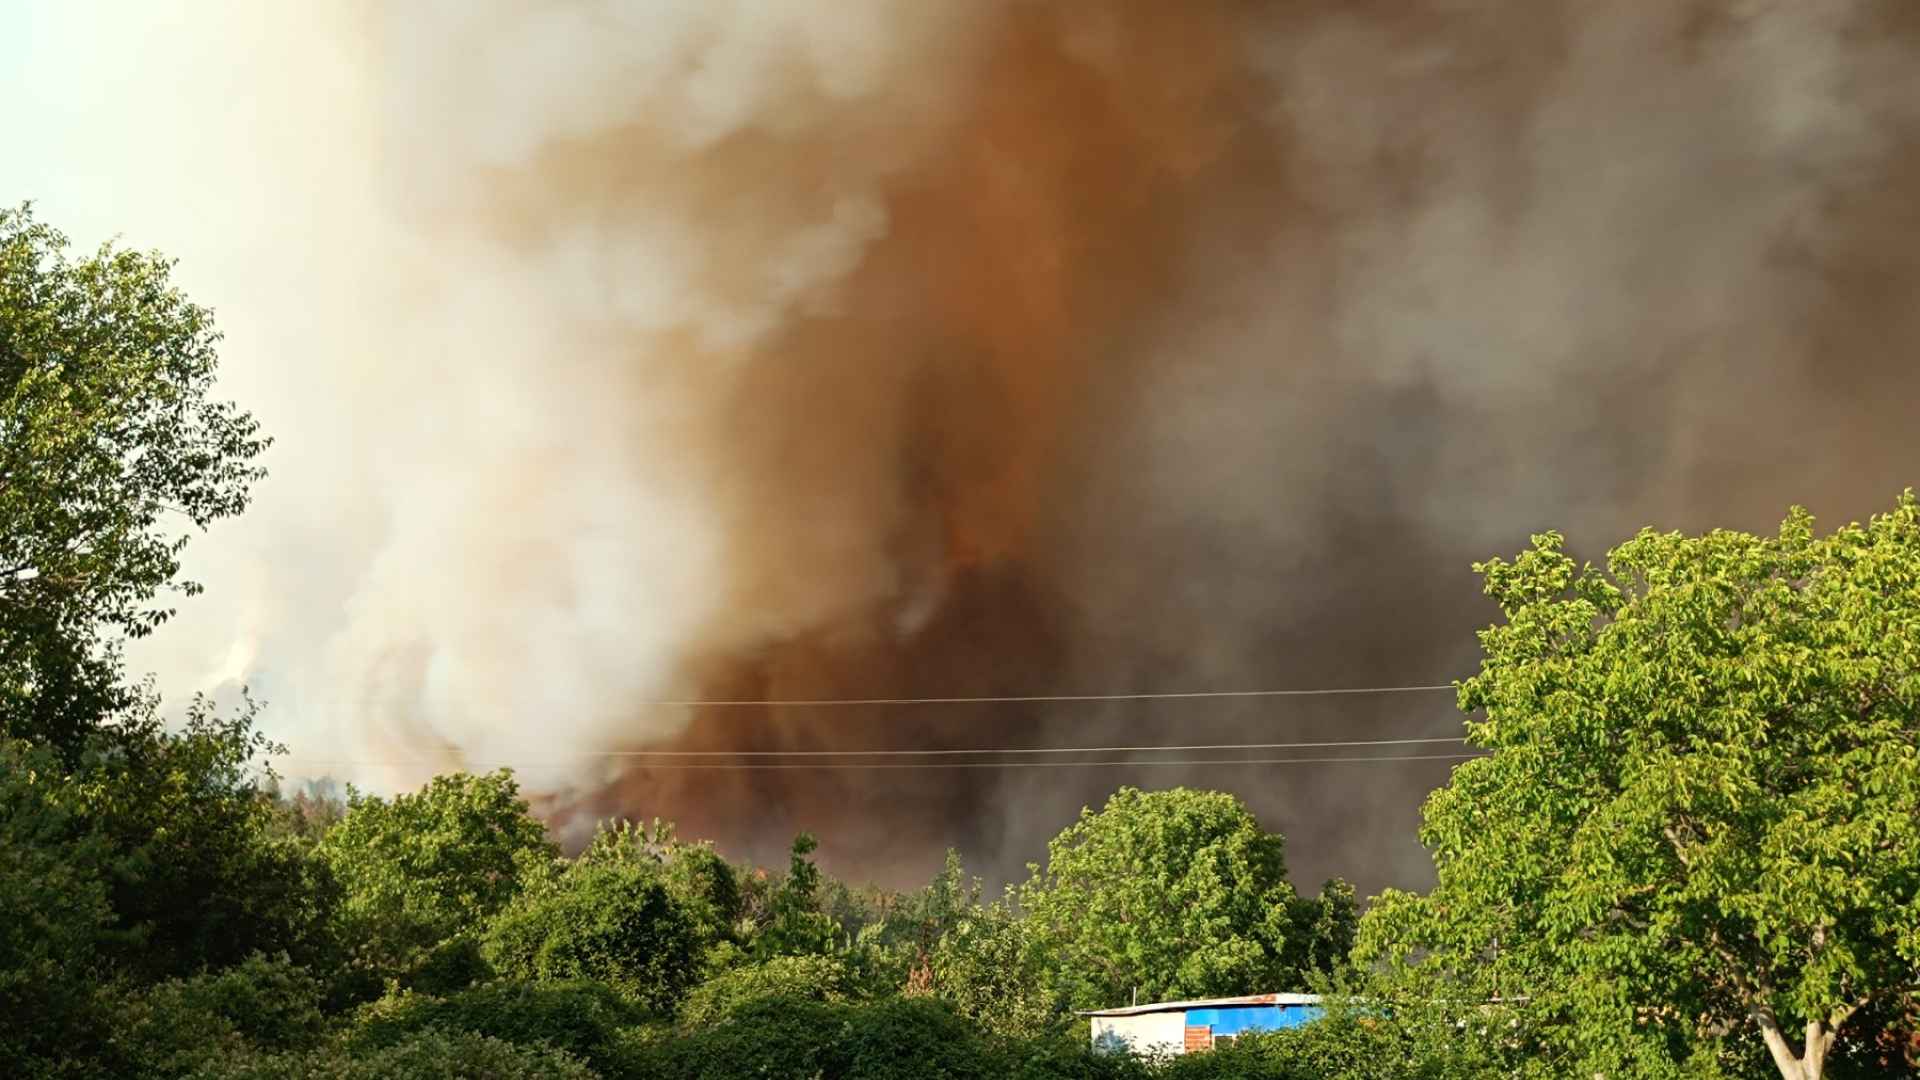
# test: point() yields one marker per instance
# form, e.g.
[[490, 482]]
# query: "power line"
[[1007, 751], [830, 766], [830, 702]]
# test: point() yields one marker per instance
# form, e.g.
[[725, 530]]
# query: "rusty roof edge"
[[1206, 1003]]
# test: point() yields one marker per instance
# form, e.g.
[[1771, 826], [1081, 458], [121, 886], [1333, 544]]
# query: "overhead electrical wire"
[[835, 766], [1187, 695], [968, 751], [974, 751], [940, 752]]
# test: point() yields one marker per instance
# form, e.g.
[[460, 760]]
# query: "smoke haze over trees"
[[969, 347], [1693, 830]]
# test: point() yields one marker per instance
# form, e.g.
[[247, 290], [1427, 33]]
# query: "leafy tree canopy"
[[424, 867], [1176, 893], [112, 453], [580, 1017], [988, 966], [1700, 811], [54, 915], [616, 922], [693, 873], [796, 922], [427, 1055], [791, 978], [202, 879]]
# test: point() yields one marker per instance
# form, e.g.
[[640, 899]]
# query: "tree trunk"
[[1811, 1065]]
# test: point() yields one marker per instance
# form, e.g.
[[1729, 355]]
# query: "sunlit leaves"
[[1701, 801], [112, 454], [1175, 893]]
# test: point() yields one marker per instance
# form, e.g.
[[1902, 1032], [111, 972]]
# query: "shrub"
[[801, 978], [770, 1037], [913, 1039], [612, 921], [425, 868], [894, 1039], [171, 1028], [582, 1018], [426, 1055]]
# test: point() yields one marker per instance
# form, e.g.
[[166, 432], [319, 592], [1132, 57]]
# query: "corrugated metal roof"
[[1209, 1003]]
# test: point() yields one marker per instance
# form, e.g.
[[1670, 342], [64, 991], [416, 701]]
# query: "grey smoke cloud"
[[826, 349]]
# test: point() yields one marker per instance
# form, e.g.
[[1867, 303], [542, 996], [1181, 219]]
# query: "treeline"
[[165, 914]]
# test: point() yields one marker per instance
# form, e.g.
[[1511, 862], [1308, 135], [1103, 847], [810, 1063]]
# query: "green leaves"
[[614, 922], [1177, 893], [425, 867], [1702, 800], [797, 924], [112, 454]]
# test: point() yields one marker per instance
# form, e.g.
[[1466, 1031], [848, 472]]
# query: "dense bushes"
[[819, 979], [894, 1038], [615, 922], [263, 1003], [423, 869], [440, 934], [584, 1018], [428, 1055]]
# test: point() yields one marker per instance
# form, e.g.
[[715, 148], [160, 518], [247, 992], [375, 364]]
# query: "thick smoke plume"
[[855, 348]]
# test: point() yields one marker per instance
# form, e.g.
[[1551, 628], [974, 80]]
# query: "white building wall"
[[1143, 1033]]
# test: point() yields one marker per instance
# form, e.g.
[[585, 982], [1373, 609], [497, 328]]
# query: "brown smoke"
[[1061, 346]]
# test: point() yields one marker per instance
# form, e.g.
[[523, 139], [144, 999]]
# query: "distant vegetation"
[[1690, 850]]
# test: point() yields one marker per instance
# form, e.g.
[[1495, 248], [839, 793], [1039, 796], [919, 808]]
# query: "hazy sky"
[[630, 351], [234, 136]]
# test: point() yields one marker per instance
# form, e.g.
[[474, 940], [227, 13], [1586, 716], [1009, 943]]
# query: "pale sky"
[[233, 135]]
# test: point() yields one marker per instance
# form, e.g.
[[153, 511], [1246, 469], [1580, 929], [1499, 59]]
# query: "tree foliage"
[[892, 1039], [426, 1055], [1172, 893], [615, 922], [789, 978], [1696, 829], [422, 868], [702, 882], [54, 916], [796, 924], [112, 453], [200, 879], [149, 862], [170, 1029], [584, 1018]]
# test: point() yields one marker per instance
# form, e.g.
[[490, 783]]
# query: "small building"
[[1184, 1027]]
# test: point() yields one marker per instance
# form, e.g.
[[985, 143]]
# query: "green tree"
[[1323, 929], [54, 915], [987, 966], [1696, 829], [693, 873], [151, 860], [1174, 893], [891, 1039], [796, 923], [173, 1028], [615, 922], [112, 454], [201, 877], [426, 1055], [427, 867], [792, 978], [585, 1019]]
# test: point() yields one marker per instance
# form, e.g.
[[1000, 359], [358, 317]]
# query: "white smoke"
[[532, 545], [567, 317]]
